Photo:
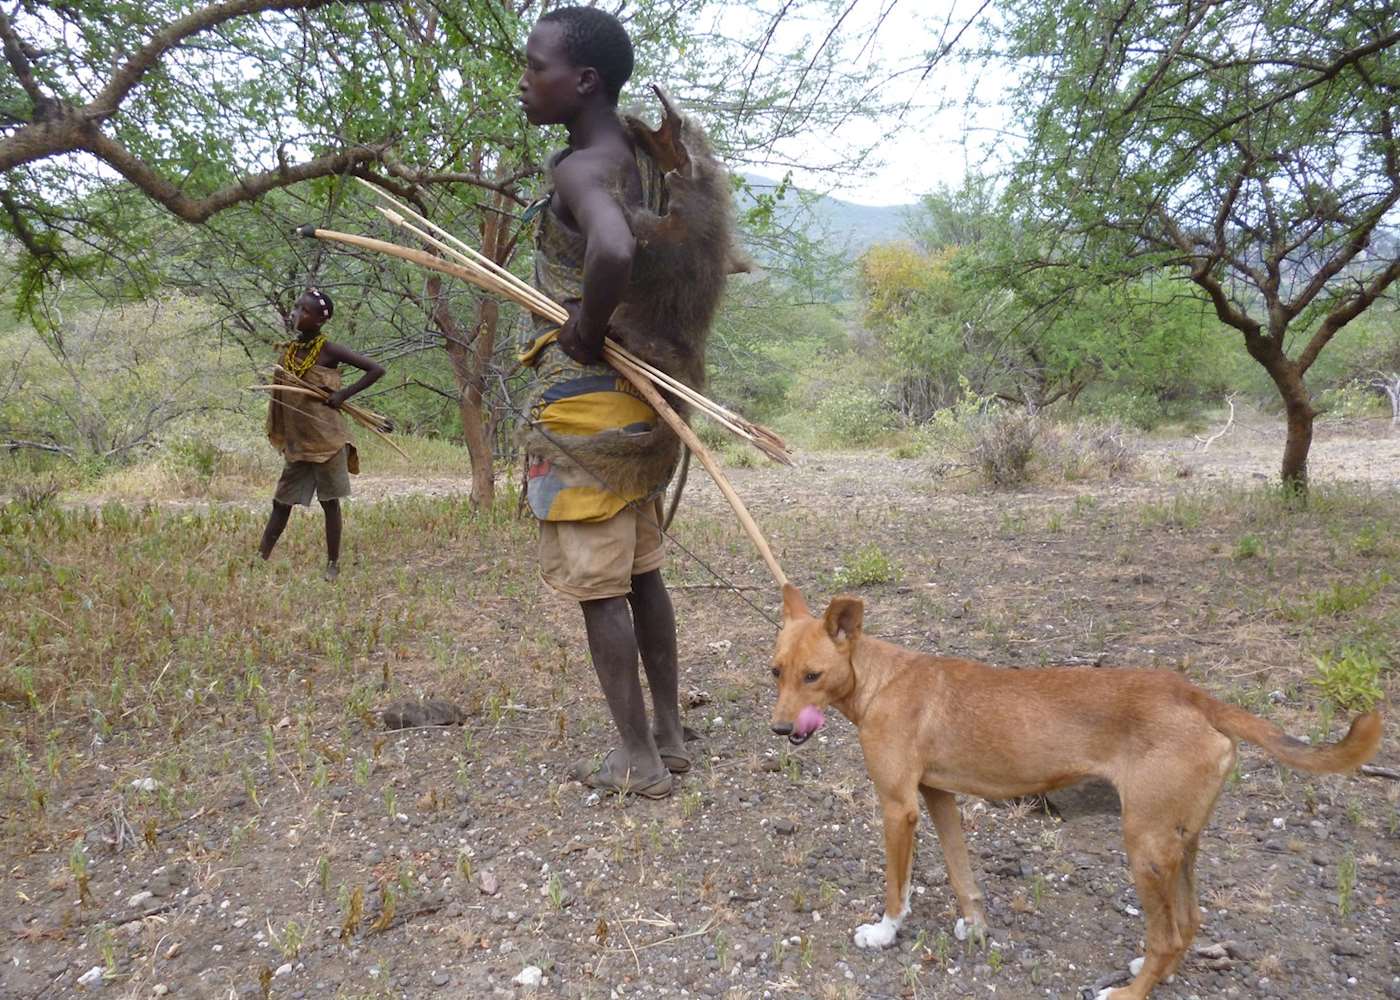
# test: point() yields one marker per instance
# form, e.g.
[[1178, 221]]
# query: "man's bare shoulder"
[[595, 165]]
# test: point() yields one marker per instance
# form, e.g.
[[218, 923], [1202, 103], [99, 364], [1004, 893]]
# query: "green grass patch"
[[863, 567]]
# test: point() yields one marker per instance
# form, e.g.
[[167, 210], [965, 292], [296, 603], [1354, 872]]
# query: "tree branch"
[[197, 210], [109, 98], [14, 55], [1345, 313]]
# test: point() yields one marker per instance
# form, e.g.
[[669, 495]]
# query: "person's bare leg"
[[654, 624], [276, 524], [333, 529], [612, 644]]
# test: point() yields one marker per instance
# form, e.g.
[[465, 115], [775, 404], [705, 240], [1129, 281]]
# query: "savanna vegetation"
[[1030, 423]]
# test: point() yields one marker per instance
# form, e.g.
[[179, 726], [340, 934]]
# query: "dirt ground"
[[321, 856]]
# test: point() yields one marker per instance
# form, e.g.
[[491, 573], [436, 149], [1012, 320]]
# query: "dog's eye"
[[811, 678]]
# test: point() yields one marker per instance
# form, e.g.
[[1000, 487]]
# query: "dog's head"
[[812, 664]]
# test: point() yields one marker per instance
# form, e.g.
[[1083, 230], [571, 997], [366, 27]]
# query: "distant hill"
[[837, 221]]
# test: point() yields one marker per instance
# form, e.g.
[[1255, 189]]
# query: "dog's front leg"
[[901, 817], [943, 809]]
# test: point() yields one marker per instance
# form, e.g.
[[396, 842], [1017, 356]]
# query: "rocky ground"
[[289, 846]]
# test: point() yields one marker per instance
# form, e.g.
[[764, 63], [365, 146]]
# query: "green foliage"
[[1226, 162], [851, 415], [865, 566], [1350, 679], [1249, 547]]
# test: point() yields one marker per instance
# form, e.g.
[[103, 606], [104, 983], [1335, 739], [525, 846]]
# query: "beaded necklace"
[[299, 363]]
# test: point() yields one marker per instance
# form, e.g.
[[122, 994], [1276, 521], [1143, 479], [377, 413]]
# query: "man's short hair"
[[593, 37]]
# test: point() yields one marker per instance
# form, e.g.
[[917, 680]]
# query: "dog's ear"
[[794, 606], [844, 617]]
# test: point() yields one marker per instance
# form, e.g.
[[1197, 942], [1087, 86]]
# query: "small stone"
[[1347, 946], [285, 969], [139, 898], [441, 978], [529, 977], [488, 884], [159, 990], [785, 827], [145, 784], [92, 978]]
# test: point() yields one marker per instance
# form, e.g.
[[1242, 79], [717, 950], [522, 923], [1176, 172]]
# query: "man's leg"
[[613, 646], [654, 624], [333, 526], [276, 524]]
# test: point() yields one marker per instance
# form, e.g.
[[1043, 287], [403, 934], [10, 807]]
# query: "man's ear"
[[589, 82], [794, 606], [844, 616]]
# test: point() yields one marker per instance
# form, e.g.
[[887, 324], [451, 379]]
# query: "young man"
[[600, 540], [310, 434]]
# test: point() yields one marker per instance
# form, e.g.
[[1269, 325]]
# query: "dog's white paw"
[[879, 935], [1135, 966], [1103, 994]]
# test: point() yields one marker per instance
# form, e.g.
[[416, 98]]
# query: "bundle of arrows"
[[461, 261]]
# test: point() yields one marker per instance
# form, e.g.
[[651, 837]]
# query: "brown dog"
[[935, 726]]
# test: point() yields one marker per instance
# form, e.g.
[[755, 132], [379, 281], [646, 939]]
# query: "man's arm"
[[582, 183], [339, 355]]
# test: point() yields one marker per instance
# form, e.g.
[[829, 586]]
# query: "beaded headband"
[[322, 300]]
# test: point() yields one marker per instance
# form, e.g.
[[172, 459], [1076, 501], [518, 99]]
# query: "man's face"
[[549, 87]]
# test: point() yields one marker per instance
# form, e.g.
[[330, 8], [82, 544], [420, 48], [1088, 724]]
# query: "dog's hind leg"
[[943, 810], [1165, 807], [1155, 857], [901, 816]]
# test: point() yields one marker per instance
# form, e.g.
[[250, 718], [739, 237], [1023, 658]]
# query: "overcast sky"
[[936, 137]]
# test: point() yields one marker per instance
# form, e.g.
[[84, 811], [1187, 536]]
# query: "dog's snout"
[[782, 728]]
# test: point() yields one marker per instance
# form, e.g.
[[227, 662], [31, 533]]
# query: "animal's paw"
[[1105, 994], [879, 935], [1135, 966], [975, 930]]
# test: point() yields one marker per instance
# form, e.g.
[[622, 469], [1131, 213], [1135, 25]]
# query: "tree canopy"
[[1248, 144]]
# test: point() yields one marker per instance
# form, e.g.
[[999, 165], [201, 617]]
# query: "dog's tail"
[[1356, 748]]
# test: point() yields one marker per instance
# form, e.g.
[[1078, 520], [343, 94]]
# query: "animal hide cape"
[[685, 251]]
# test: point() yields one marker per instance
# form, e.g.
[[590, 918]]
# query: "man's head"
[[311, 311], [573, 56]]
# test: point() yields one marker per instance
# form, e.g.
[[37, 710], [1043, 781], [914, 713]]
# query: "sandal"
[[678, 759], [612, 775]]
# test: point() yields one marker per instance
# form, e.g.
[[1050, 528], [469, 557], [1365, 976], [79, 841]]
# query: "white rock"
[[145, 784], [960, 929], [92, 977], [285, 969], [529, 977], [159, 990]]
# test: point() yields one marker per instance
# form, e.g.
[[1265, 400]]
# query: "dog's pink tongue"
[[809, 720]]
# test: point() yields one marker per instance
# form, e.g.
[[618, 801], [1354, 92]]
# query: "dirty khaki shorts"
[[589, 561], [303, 481]]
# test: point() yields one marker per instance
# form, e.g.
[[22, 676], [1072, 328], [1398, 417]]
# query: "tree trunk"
[[474, 427], [1297, 408], [470, 361]]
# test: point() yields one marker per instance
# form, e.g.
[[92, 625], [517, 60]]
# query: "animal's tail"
[[1356, 748]]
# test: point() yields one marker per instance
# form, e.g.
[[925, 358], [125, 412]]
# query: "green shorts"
[[301, 482]]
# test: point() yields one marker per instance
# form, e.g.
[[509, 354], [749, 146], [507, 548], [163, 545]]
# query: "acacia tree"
[[192, 103], [1249, 144]]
